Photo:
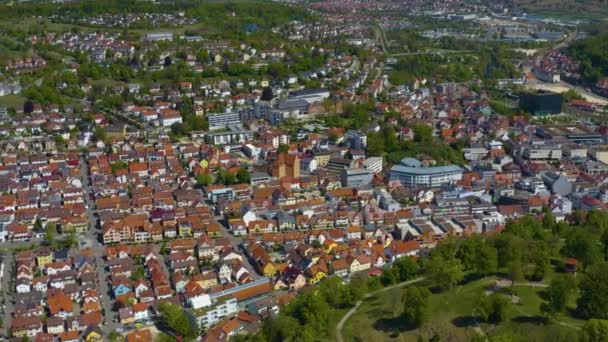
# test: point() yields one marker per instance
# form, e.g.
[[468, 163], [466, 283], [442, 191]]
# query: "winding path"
[[359, 302]]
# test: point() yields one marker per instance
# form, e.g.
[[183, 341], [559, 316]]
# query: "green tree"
[[583, 246], [423, 133], [487, 259], [405, 268], [174, 317], [478, 255], [493, 308], [115, 337], [559, 291], [593, 300], [539, 257], [516, 271], [595, 330], [100, 134], [203, 179], [416, 305], [139, 273], [49, 233], [118, 165], [281, 328], [243, 176], [548, 219], [283, 148], [444, 272]]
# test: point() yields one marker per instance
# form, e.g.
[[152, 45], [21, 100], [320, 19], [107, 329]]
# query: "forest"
[[593, 54]]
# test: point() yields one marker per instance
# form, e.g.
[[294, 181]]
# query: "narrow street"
[[235, 242], [91, 239]]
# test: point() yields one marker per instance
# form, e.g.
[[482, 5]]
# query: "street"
[[235, 242], [109, 324]]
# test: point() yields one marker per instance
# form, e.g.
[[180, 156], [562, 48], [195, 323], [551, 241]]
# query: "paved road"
[[431, 52], [379, 36], [354, 308], [91, 237], [566, 42]]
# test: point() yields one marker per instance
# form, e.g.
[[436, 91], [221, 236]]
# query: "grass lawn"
[[12, 101], [451, 316]]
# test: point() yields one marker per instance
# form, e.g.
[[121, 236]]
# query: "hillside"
[[587, 8]]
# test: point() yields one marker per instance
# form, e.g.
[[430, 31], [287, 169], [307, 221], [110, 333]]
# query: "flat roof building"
[[411, 172], [541, 102], [575, 133], [222, 120]]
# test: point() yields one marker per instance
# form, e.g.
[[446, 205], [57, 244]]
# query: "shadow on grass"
[[543, 294], [537, 320], [465, 321], [572, 312], [470, 277], [393, 325]]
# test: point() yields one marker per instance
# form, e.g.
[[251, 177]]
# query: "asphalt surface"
[[92, 241]]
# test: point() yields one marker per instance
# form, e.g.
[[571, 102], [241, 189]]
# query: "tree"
[[486, 261], [516, 271], [174, 317], [167, 62], [118, 165], [388, 277], [595, 330], [558, 293], [163, 337], [416, 307], [267, 94], [38, 225], [548, 219], [49, 233], [423, 133], [283, 148], [100, 134], [203, 179], [539, 257], [281, 328], [70, 241], [493, 308], [478, 255], [593, 300], [243, 176], [583, 246], [115, 337], [445, 272], [139, 273], [405, 268]]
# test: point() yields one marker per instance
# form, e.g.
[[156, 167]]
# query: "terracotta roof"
[[140, 336], [60, 302]]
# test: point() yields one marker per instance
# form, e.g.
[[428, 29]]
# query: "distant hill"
[[593, 8]]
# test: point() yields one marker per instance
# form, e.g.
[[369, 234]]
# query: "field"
[[12, 101], [452, 317]]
